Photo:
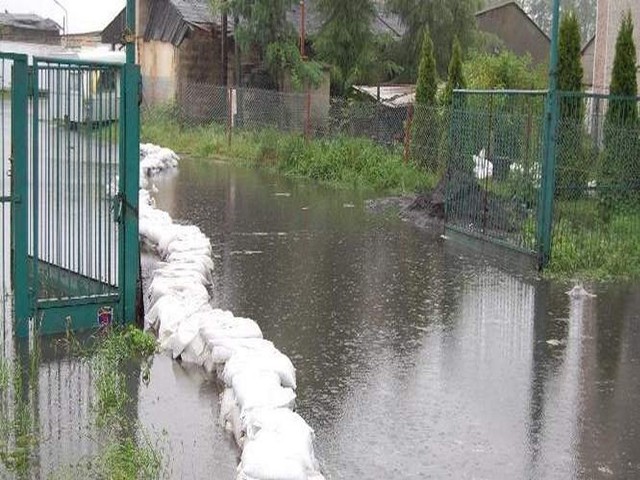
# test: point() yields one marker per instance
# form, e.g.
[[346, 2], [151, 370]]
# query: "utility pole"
[[545, 209]]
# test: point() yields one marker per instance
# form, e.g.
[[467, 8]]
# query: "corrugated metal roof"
[[171, 20], [390, 95], [28, 21]]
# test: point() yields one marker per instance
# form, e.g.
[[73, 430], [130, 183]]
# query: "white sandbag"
[[269, 360], [194, 353], [267, 458], [230, 416], [261, 389], [223, 348], [291, 427], [225, 325]]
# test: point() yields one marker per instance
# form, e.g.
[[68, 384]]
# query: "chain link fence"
[[493, 179], [488, 146], [597, 188]]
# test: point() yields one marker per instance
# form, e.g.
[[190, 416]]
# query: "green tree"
[[444, 19], [455, 80], [263, 27], [620, 167], [345, 39], [503, 71], [571, 177], [426, 130]]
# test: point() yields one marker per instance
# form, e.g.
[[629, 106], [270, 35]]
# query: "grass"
[[344, 162], [586, 246], [126, 452]]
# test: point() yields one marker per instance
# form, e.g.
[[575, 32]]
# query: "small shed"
[[390, 106], [517, 30], [29, 28], [179, 48]]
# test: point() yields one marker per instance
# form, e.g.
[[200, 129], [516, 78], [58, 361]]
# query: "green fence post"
[[19, 193], [130, 253], [545, 209]]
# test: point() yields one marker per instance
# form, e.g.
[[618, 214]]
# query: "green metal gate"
[[75, 177]]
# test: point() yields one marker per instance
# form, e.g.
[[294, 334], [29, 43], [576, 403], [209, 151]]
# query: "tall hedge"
[[426, 129], [620, 168], [571, 172]]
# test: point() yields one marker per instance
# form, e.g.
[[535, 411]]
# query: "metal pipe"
[[131, 29], [545, 210], [64, 18]]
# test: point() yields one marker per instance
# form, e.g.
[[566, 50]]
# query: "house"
[[179, 49], [609, 18], [29, 28], [517, 30], [588, 58]]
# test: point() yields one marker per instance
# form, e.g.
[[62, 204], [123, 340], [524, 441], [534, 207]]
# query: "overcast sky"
[[83, 15]]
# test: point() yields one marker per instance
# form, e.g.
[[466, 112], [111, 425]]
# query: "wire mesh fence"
[[493, 179], [597, 188], [489, 146]]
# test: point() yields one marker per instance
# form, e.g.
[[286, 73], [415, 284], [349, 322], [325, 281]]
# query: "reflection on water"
[[416, 358]]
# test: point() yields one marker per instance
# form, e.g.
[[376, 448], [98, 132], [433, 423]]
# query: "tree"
[[455, 80], [264, 28], [426, 131], [541, 13], [620, 167], [345, 38], [571, 171], [444, 19], [427, 84]]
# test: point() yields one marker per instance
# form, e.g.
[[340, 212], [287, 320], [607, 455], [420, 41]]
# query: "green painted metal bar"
[[73, 62], [130, 164], [545, 213], [19, 180], [131, 27], [35, 196]]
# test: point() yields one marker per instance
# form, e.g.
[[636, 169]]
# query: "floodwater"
[[419, 357], [416, 357]]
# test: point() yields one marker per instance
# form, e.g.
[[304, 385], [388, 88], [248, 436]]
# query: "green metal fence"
[[494, 169], [73, 148], [597, 183]]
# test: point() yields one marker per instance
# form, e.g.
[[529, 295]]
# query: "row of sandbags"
[[258, 400]]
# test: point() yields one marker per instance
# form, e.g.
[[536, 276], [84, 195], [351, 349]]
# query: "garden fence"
[[489, 146]]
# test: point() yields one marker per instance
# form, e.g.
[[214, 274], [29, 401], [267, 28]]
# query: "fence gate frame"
[[67, 310]]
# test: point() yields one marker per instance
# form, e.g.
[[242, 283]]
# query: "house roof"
[[384, 22], [390, 95], [28, 21], [113, 32], [512, 3]]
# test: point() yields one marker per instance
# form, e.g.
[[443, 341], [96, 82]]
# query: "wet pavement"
[[417, 357]]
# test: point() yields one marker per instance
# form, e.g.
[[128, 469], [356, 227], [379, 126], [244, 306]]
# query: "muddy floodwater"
[[419, 357]]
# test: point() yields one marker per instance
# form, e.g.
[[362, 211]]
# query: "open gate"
[[74, 193]]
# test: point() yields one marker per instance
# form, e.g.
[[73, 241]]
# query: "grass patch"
[[126, 452], [344, 162], [595, 249]]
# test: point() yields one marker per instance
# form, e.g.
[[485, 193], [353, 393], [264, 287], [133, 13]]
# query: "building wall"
[[158, 64], [29, 35], [200, 91], [588, 55], [519, 34], [610, 13]]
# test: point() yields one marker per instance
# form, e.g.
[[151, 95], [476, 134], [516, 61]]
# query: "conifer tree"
[[571, 176], [426, 131], [620, 169]]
